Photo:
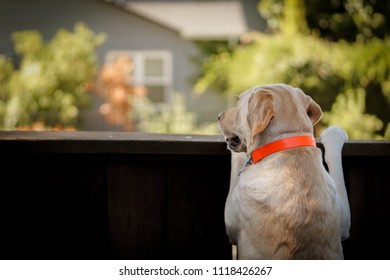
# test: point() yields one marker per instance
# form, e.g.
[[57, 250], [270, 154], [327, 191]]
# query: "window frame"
[[139, 78]]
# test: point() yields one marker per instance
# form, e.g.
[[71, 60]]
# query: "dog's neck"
[[262, 141], [281, 145]]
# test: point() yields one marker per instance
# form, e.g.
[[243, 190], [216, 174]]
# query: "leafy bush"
[[323, 69], [345, 68], [168, 118], [50, 86], [129, 106]]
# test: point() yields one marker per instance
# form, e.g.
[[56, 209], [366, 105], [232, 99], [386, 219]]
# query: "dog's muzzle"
[[233, 142]]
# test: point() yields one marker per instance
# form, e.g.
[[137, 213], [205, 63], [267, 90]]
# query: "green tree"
[[350, 20], [357, 124], [51, 84], [323, 68]]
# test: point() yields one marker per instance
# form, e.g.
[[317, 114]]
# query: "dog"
[[282, 202]]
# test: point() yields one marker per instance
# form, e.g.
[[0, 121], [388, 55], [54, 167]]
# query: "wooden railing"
[[113, 195]]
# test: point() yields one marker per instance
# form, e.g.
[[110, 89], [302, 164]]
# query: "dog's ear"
[[261, 109], [313, 110]]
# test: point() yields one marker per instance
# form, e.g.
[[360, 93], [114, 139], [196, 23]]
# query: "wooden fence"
[[113, 195]]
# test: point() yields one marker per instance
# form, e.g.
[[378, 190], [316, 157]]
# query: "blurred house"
[[159, 36]]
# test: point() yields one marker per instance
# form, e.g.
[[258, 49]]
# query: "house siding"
[[125, 31]]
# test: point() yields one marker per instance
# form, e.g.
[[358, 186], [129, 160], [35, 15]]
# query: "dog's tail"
[[333, 139]]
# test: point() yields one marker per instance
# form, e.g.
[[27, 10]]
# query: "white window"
[[152, 70]]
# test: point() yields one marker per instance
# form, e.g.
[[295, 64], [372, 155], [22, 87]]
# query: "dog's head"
[[267, 111]]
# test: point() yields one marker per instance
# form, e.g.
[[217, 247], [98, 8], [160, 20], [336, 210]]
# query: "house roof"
[[195, 20]]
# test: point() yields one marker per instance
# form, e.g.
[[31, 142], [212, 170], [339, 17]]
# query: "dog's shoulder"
[[285, 173]]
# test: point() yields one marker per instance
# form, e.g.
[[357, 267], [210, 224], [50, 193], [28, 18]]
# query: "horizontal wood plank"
[[144, 143]]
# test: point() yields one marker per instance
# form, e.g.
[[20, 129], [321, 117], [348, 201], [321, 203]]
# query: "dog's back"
[[290, 203]]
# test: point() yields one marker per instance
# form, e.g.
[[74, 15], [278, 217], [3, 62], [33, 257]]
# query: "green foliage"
[[52, 81], [357, 124], [321, 68], [272, 12], [351, 20], [165, 118]]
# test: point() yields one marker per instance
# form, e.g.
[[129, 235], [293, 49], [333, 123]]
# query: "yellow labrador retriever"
[[282, 203]]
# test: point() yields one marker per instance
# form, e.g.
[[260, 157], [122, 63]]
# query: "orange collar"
[[280, 145]]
